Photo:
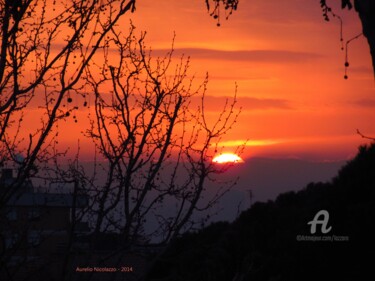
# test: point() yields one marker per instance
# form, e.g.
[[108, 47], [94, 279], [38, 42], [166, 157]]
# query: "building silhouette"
[[37, 228]]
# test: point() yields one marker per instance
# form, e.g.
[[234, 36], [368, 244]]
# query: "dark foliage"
[[262, 243]]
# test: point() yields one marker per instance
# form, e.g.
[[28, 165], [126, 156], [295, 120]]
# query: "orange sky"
[[289, 68]]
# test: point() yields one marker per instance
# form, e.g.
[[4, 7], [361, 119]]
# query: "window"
[[33, 238], [11, 214], [34, 213], [10, 240]]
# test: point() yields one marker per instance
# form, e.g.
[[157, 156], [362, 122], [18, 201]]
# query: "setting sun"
[[227, 158]]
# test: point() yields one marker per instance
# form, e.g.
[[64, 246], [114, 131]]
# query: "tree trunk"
[[366, 11]]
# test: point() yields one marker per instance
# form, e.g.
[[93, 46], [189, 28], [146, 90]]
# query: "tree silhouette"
[[158, 146], [145, 128], [262, 244], [42, 58], [364, 8], [366, 13], [215, 10], [26, 40]]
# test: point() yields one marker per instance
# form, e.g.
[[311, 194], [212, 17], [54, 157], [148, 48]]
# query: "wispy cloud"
[[366, 102], [270, 56], [360, 69], [235, 143], [213, 103]]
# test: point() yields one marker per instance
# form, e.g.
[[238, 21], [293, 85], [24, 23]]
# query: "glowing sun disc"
[[227, 158]]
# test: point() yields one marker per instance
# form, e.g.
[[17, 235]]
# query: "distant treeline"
[[264, 243]]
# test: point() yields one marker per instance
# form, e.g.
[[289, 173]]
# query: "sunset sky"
[[288, 65], [299, 116]]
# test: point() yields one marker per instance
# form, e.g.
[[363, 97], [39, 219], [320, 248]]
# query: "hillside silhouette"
[[262, 243]]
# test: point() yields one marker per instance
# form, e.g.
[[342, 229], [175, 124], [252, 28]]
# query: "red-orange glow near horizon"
[[227, 158], [285, 59]]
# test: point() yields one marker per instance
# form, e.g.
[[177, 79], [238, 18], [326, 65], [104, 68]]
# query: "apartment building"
[[37, 228]]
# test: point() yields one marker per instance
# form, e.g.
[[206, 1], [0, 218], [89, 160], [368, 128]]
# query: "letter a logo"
[[323, 222]]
